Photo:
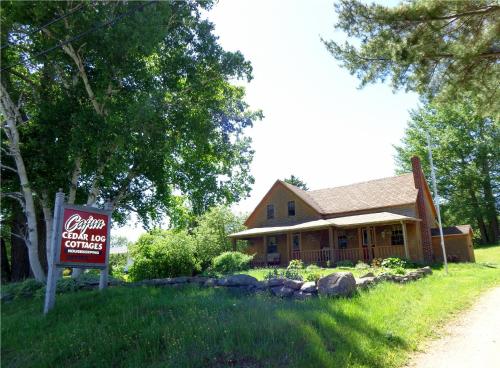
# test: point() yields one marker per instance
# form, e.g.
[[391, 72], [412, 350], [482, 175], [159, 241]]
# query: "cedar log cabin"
[[389, 217]]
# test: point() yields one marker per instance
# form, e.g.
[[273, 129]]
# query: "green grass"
[[193, 327], [260, 273]]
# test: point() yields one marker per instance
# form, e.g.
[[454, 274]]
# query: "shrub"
[[23, 289], [292, 274], [345, 263], [296, 264], [394, 262], [398, 271], [117, 264], [229, 262], [377, 262], [163, 253], [312, 273], [67, 272]]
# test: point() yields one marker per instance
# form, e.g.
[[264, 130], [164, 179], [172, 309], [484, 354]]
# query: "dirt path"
[[472, 340]]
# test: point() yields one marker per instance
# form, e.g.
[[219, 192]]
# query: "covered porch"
[[328, 241]]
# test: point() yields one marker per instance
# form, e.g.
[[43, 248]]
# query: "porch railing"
[[389, 251], [313, 256]]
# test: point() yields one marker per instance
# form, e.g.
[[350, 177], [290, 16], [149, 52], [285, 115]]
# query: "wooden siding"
[[279, 196], [459, 246], [404, 210]]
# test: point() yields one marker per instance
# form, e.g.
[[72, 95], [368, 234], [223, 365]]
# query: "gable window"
[[291, 208], [270, 211], [296, 242], [272, 245], [342, 239], [397, 235]]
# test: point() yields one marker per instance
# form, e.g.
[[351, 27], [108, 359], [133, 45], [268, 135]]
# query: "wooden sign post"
[[80, 238]]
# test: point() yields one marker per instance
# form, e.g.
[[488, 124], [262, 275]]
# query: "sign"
[[83, 237]]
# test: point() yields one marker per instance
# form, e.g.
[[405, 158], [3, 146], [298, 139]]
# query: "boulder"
[[179, 280], [337, 284], [275, 282], [210, 282], [426, 270], [293, 284], [308, 287], [282, 291], [238, 280], [369, 274], [302, 295], [365, 282]]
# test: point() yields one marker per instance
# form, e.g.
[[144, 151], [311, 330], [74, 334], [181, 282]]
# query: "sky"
[[318, 125]]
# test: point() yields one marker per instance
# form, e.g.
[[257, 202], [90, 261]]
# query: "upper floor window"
[[270, 211], [397, 237], [291, 208]]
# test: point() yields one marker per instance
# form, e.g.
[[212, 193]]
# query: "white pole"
[[436, 202], [103, 277]]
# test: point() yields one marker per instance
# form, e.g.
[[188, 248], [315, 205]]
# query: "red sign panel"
[[84, 237]]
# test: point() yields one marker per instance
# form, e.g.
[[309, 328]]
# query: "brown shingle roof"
[[452, 230], [386, 192]]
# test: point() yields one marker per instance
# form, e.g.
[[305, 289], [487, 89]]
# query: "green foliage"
[[23, 289], [466, 158], [443, 48], [289, 273], [211, 233], [230, 262], [294, 180], [117, 263], [376, 262], [393, 262], [296, 264], [312, 273], [398, 270], [362, 265], [163, 253], [345, 263]]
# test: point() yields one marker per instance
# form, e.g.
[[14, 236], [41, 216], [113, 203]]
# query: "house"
[[389, 217]]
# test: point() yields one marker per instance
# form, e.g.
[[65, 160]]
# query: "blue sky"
[[318, 125]]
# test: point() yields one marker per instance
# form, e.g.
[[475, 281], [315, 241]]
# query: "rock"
[[302, 295], [337, 284], [426, 270], [369, 274], [275, 282], [178, 280], [200, 280], [293, 284], [210, 282], [364, 283], [282, 291], [308, 287], [238, 280]]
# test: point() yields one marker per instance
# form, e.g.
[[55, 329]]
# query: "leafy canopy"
[[296, 181], [436, 48]]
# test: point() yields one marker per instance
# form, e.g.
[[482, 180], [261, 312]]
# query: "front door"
[[367, 234]]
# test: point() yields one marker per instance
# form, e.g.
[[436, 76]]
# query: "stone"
[[200, 280], [308, 287], [211, 282], [282, 291], [275, 282], [293, 284], [302, 295], [178, 280], [369, 274], [337, 284], [238, 280], [365, 282], [426, 270]]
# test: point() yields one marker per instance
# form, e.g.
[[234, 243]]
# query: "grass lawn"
[[194, 327]]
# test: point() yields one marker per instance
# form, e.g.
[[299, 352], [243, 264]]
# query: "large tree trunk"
[[48, 218], [490, 205], [19, 253], [12, 115], [5, 263], [478, 215]]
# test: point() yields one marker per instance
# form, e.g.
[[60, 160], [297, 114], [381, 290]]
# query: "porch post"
[[264, 240], [330, 242], [233, 242], [360, 245], [289, 246], [405, 239]]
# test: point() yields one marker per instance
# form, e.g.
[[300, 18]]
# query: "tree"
[[211, 233], [138, 108], [119, 242], [467, 161], [294, 180], [436, 48]]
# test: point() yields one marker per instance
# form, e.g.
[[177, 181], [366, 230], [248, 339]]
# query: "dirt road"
[[472, 340]]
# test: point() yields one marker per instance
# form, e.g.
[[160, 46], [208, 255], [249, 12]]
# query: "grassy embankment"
[[195, 327]]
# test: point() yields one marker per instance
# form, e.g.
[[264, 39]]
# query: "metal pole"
[[52, 274], [103, 278], [436, 202]]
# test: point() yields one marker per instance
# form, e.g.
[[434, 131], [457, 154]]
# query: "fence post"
[[52, 274]]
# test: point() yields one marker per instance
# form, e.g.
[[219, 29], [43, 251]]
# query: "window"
[[397, 237], [342, 241], [270, 211], [296, 242], [291, 208], [272, 245], [365, 237]]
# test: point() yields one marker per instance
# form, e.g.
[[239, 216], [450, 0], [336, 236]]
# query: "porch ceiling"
[[347, 221]]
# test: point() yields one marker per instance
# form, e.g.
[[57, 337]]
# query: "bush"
[[346, 263], [161, 254], [295, 264], [377, 262], [312, 273], [229, 262], [398, 271], [23, 289], [292, 274], [117, 264], [394, 262]]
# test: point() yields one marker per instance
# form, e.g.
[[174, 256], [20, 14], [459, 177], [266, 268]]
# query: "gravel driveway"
[[472, 340]]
